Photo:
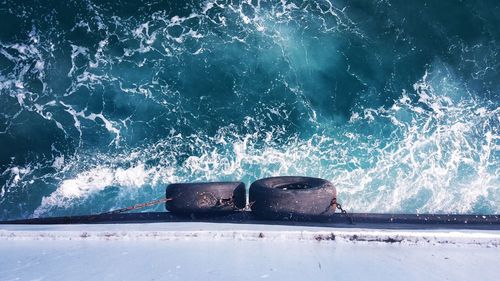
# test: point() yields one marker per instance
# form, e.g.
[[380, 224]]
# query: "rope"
[[220, 203], [137, 206], [339, 206]]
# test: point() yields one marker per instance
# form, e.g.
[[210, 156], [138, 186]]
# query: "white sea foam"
[[93, 181]]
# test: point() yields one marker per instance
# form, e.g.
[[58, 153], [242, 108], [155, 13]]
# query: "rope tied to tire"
[[338, 206], [137, 206], [221, 203]]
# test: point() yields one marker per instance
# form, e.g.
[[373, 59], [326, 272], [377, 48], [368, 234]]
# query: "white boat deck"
[[208, 251]]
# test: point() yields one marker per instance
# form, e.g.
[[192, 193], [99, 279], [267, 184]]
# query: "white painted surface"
[[201, 251]]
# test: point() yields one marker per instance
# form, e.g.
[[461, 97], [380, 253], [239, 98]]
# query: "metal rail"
[[360, 220]]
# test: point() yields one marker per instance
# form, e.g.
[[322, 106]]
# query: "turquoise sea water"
[[103, 103]]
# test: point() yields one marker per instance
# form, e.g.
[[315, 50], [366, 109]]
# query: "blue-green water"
[[103, 103]]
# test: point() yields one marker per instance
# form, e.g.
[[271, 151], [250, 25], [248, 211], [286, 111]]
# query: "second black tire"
[[291, 197]]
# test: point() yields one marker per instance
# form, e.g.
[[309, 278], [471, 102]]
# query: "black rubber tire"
[[205, 197], [291, 197]]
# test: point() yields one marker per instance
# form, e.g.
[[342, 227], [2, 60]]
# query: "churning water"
[[103, 103]]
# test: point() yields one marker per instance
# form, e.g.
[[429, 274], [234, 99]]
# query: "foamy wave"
[[96, 180], [442, 157]]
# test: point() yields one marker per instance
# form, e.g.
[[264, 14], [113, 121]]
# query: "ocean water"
[[104, 103]]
